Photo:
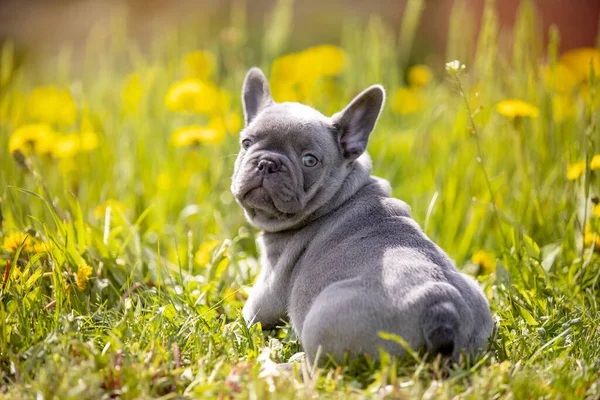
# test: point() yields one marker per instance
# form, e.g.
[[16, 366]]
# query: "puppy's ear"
[[356, 122], [255, 94]]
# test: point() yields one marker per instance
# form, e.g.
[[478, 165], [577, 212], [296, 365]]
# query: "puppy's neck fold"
[[358, 177]]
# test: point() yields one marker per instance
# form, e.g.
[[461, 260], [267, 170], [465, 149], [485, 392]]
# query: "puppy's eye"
[[246, 143], [309, 160]]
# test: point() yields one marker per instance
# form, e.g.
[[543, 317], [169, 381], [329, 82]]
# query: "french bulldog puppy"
[[341, 259]]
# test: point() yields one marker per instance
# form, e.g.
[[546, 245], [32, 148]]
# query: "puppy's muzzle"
[[268, 165]]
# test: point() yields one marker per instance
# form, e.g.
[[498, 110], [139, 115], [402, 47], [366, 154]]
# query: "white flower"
[[454, 66]]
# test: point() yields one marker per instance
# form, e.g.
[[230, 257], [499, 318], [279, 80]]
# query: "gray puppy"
[[341, 258]]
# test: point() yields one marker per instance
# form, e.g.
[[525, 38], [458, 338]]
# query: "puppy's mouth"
[[275, 195], [258, 197], [273, 200]]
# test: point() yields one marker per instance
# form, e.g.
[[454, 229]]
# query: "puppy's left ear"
[[356, 122], [255, 94]]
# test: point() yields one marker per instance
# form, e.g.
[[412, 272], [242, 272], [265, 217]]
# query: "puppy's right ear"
[[255, 94], [355, 122]]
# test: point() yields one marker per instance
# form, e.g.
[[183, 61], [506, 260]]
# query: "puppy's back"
[[407, 284]]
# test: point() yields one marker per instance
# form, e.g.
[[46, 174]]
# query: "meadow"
[[125, 260]]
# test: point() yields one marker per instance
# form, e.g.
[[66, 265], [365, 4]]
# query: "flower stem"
[[480, 159]]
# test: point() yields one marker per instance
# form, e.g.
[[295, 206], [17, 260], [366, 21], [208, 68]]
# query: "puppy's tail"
[[440, 328]]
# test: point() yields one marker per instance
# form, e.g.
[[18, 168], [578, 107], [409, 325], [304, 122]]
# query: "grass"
[[171, 255]]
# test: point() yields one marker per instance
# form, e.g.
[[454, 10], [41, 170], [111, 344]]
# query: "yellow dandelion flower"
[[419, 75], [132, 93], [67, 146], [100, 210], [16, 272], [307, 89], [563, 107], [595, 163], [52, 105], [223, 101], [88, 140], [328, 89], [308, 65], [82, 277], [196, 134], [324, 60], [578, 60], [485, 261], [514, 108], [559, 77], [202, 256], [230, 123], [591, 238], [218, 124], [233, 122], [575, 170], [283, 91], [32, 138], [192, 95], [596, 210], [43, 247], [14, 240], [407, 101], [286, 69], [199, 64], [87, 122]]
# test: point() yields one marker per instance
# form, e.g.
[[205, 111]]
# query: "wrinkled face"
[[293, 159], [287, 155]]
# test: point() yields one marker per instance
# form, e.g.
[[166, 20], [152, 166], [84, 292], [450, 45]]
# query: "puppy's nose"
[[268, 166]]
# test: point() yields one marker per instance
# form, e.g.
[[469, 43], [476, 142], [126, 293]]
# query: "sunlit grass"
[[125, 260]]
